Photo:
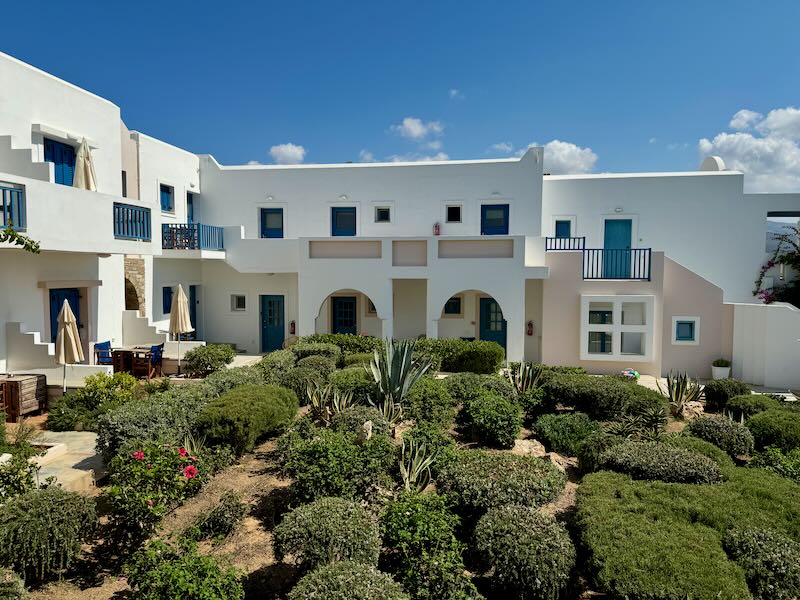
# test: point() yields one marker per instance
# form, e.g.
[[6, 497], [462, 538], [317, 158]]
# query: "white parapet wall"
[[766, 344]]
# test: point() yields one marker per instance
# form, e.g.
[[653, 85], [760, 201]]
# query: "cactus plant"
[[524, 376], [415, 465], [680, 390]]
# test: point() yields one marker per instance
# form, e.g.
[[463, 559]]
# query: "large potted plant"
[[720, 369]]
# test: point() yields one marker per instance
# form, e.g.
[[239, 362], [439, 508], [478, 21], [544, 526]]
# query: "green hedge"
[[305, 349], [347, 343], [238, 418], [351, 420], [203, 360], [602, 398], [461, 355], [360, 359], [776, 427], [707, 449], [565, 433], [298, 379], [747, 405], [276, 362], [321, 364], [79, 410], [771, 562], [732, 437], [775, 460], [492, 419], [226, 379], [356, 381], [719, 392], [656, 461], [429, 400], [347, 580], [463, 386]]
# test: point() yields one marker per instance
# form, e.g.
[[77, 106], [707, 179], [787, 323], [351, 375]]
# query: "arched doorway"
[[349, 311], [473, 315]]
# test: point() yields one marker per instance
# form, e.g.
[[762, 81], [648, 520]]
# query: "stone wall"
[[134, 285]]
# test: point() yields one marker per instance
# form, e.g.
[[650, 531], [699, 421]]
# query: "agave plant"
[[319, 399], [629, 426], [391, 411], [681, 390], [524, 376], [653, 422], [415, 465], [340, 401], [395, 371]]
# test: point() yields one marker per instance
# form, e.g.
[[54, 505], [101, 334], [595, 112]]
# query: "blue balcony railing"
[[622, 263], [131, 222], [12, 207], [191, 236]]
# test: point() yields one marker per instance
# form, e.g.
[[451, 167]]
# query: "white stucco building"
[[648, 270]]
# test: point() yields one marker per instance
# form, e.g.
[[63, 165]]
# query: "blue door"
[[189, 207], [271, 222], [492, 323], [193, 300], [344, 317], [617, 249], [63, 158], [272, 324], [494, 219], [57, 297], [343, 220]]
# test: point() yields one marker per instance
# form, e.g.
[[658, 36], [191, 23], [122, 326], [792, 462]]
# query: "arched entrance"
[[349, 311], [473, 315]]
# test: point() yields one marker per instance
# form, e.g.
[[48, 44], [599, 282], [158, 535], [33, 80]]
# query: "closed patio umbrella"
[[68, 341], [85, 177], [179, 319]]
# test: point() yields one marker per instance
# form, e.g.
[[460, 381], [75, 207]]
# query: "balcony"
[[191, 236], [630, 264], [559, 244], [131, 222], [12, 207]]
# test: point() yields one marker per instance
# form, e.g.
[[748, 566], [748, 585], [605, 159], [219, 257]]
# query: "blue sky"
[[636, 85]]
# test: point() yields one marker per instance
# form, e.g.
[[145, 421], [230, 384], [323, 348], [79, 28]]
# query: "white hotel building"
[[648, 270]]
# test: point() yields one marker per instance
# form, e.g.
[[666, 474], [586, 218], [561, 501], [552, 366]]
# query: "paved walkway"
[[78, 466], [245, 360]]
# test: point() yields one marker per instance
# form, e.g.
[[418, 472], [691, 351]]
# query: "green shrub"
[[41, 532], [17, 476], [492, 419], [225, 380], [305, 349], [321, 364], [657, 461], [351, 420], [162, 572], [775, 460], [326, 531], [771, 562], [429, 400], [483, 480], [11, 586], [241, 416], [79, 410], [707, 449], [298, 379], [330, 463], [347, 343], [602, 398], [592, 449], [565, 433], [458, 355], [530, 554], [719, 392], [775, 427], [431, 435], [276, 362], [347, 581], [166, 416], [533, 403], [204, 360], [652, 541], [747, 405], [359, 359], [221, 520], [733, 438], [355, 381]]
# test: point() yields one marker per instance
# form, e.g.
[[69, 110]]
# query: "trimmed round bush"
[[431, 435], [303, 349], [483, 480], [458, 355], [360, 359], [429, 400], [592, 449], [348, 343], [492, 419], [775, 427], [530, 554], [656, 461], [565, 433], [326, 531], [602, 398], [41, 532], [719, 392], [321, 364], [226, 379], [771, 562], [204, 360], [298, 379], [277, 361], [351, 420], [533, 403], [775, 460], [707, 449], [463, 386], [747, 405], [241, 416], [733, 438], [347, 580], [356, 381]]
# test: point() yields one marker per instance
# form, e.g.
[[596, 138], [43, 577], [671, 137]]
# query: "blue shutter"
[[189, 207], [343, 221], [166, 300], [271, 222], [63, 158], [494, 219], [166, 198]]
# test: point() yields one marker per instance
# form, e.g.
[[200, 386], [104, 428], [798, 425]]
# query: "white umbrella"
[[179, 319], [85, 177], [68, 341]]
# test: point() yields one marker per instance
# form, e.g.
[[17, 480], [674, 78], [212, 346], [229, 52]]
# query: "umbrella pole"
[[65, 379], [179, 354]]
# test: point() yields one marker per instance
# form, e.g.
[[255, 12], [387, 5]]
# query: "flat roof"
[[641, 175]]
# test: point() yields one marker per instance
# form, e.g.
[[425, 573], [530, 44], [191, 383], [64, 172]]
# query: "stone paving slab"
[[79, 468]]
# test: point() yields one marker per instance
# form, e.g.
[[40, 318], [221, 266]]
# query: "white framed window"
[[685, 331], [453, 213], [563, 226], [617, 328], [238, 303]]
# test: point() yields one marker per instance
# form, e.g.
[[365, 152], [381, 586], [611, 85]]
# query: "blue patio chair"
[[156, 360], [102, 353]]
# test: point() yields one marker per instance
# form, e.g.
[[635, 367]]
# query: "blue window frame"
[[563, 229], [343, 220], [166, 300], [189, 207], [167, 197], [494, 219], [453, 306], [271, 222], [63, 158], [685, 331]]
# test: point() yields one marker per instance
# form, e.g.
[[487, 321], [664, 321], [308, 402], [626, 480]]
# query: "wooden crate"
[[24, 394]]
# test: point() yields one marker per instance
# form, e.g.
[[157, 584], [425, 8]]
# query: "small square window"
[[684, 331], [563, 229], [453, 306], [382, 214], [454, 213], [238, 302]]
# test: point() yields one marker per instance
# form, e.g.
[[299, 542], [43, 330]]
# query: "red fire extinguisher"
[[437, 229], [529, 328], [291, 327]]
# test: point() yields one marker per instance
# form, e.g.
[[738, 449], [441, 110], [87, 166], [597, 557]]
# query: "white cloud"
[[769, 155], [366, 156], [744, 119], [432, 145], [253, 162], [652, 140], [287, 154], [416, 129], [417, 157], [504, 147], [562, 158], [455, 94]]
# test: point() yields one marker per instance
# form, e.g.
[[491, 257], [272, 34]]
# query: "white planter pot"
[[720, 372]]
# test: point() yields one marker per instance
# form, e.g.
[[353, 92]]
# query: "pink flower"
[[190, 472], [182, 451], [138, 455]]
